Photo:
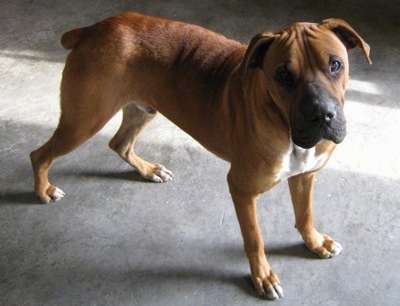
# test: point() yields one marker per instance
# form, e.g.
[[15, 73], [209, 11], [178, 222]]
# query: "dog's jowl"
[[273, 109]]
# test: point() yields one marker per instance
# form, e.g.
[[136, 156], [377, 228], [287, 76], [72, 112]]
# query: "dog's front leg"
[[265, 280], [301, 189]]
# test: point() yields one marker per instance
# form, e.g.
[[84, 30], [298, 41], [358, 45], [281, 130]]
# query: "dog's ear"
[[255, 52], [347, 35]]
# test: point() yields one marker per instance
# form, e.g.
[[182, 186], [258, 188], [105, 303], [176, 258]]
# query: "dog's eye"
[[335, 66], [284, 76]]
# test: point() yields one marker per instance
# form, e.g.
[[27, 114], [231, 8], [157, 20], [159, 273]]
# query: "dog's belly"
[[299, 160]]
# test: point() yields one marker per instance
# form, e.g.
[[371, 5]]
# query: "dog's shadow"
[[298, 249], [19, 198], [130, 175], [241, 281], [186, 276], [29, 197], [181, 275]]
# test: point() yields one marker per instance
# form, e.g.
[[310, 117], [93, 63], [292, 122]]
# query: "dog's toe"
[[162, 174], [331, 249], [267, 284], [336, 249], [57, 194], [52, 194], [274, 292], [323, 245]]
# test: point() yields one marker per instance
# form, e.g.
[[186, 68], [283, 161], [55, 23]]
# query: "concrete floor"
[[118, 240]]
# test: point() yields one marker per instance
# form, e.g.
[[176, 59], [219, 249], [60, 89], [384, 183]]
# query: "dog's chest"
[[299, 160]]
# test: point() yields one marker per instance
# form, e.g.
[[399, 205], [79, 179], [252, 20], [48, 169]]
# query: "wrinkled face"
[[307, 72]]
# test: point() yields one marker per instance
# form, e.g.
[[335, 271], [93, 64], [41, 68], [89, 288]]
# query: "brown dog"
[[274, 110]]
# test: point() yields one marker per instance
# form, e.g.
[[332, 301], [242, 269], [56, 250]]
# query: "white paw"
[[161, 175], [336, 249], [275, 292], [57, 194]]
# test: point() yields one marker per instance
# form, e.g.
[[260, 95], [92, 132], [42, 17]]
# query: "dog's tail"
[[72, 38]]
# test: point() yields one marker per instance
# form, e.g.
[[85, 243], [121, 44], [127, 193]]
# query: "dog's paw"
[[323, 245], [267, 285], [335, 249], [161, 175], [57, 194], [329, 248], [273, 292], [53, 194]]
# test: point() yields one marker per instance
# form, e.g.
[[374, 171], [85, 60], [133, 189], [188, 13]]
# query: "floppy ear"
[[347, 35], [255, 53]]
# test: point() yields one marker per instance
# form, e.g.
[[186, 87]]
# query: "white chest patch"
[[299, 160]]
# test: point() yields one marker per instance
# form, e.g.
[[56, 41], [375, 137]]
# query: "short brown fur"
[[219, 91]]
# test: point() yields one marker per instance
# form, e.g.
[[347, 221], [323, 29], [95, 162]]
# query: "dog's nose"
[[329, 116], [318, 106], [320, 113]]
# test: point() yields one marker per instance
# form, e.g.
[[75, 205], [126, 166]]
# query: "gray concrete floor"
[[118, 240]]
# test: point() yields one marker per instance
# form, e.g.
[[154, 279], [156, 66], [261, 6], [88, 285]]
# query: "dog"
[[273, 109]]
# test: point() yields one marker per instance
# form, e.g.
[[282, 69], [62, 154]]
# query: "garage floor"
[[116, 239]]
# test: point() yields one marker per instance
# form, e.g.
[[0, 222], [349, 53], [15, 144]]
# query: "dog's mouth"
[[305, 141], [308, 138]]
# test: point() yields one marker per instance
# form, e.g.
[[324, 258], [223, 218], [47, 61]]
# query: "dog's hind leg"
[[135, 118], [67, 137], [84, 111]]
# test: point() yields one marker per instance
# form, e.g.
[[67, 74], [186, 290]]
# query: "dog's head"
[[306, 70]]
